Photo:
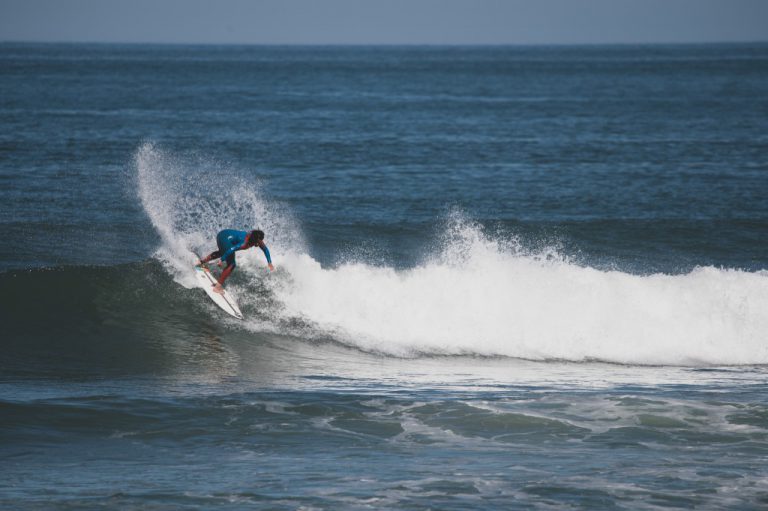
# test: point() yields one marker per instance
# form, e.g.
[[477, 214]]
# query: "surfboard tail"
[[224, 300]]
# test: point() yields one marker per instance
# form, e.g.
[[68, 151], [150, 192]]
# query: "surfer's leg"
[[221, 243], [212, 255], [225, 275], [228, 270]]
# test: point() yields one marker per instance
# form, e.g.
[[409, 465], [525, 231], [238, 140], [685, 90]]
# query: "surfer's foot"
[[218, 288]]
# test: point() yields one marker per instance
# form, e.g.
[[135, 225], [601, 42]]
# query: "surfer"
[[229, 241]]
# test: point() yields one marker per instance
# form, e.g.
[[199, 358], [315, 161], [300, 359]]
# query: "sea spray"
[[189, 199]]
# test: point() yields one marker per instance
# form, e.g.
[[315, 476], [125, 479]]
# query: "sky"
[[434, 22]]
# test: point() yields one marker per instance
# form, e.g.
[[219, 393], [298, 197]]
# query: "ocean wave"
[[477, 294]]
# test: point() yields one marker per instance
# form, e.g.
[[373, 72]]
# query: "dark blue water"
[[507, 277]]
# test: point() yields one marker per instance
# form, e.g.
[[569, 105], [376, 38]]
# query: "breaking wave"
[[477, 294]]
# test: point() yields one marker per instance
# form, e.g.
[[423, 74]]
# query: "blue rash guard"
[[230, 240]]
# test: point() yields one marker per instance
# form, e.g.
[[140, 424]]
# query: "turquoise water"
[[519, 278]]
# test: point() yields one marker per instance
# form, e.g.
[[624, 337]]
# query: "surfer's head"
[[256, 236]]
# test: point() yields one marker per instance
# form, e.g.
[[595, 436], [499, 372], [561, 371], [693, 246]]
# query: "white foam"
[[477, 295], [482, 297]]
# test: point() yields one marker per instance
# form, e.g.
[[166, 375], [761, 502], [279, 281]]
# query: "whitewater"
[[473, 293]]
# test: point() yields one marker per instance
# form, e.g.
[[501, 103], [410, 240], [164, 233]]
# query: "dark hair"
[[256, 235]]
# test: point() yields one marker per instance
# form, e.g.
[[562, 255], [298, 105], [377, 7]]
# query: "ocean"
[[506, 277]]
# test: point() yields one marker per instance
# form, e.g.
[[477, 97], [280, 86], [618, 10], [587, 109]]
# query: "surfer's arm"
[[264, 249]]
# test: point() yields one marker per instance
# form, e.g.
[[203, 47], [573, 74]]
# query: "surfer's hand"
[[271, 267], [221, 265]]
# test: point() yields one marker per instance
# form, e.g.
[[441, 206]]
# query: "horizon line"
[[382, 44]]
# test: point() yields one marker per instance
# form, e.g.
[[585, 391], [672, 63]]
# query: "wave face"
[[475, 294]]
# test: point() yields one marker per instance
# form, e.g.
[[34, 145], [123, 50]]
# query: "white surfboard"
[[224, 300]]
